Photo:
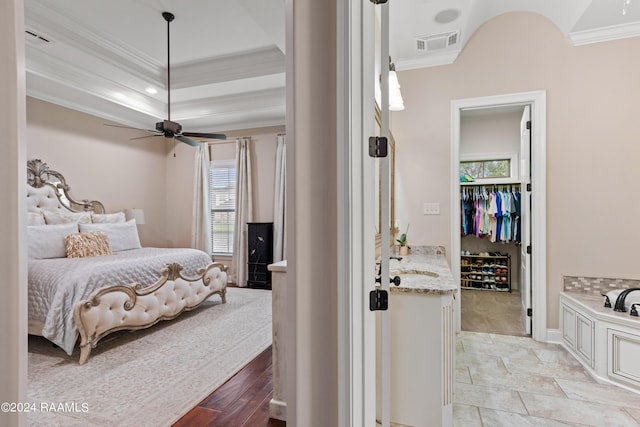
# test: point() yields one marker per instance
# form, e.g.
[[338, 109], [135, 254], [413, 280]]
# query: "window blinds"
[[222, 187]]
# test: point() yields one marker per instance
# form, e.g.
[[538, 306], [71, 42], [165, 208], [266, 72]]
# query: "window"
[[222, 187], [483, 169], [490, 167]]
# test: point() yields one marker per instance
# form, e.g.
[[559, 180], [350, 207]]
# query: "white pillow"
[[122, 235], [60, 216], [35, 218], [108, 218], [47, 241]]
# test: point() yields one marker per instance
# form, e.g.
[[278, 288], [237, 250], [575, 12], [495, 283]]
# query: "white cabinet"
[[606, 342], [578, 333], [422, 359], [623, 356], [568, 317], [585, 339]]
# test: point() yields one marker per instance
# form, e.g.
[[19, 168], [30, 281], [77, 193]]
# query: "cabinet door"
[[569, 326], [585, 338], [623, 355]]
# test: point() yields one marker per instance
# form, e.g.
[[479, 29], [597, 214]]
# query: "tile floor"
[[514, 381]]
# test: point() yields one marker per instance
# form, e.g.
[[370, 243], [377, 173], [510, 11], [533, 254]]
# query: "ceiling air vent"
[[437, 41], [34, 38]]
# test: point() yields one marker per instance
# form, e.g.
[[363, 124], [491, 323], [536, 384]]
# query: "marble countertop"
[[596, 305], [424, 270]]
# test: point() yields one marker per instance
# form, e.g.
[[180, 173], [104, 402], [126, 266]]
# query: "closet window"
[[222, 187], [487, 169]]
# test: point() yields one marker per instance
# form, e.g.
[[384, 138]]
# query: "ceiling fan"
[[168, 128]]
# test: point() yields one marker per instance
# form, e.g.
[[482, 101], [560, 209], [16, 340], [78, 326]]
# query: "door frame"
[[356, 213], [537, 100]]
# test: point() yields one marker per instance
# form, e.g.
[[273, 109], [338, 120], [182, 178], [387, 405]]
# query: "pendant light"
[[396, 103]]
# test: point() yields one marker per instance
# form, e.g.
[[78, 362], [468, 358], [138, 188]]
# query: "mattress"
[[57, 285]]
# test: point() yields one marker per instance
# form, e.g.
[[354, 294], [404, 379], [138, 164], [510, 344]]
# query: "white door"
[[384, 344], [525, 217]]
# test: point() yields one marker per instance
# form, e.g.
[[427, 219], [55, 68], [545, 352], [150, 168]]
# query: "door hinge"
[[529, 124], [529, 249], [529, 312], [378, 300], [377, 146], [528, 186]]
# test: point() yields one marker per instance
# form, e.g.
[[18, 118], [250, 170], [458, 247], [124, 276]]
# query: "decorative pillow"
[[108, 218], [122, 235], [47, 241], [35, 218], [80, 245], [60, 216]]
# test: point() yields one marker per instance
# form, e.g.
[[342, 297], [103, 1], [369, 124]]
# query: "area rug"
[[150, 377]]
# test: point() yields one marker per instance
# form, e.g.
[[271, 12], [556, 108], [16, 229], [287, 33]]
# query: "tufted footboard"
[[115, 308]]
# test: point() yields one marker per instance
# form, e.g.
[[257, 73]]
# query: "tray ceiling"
[[228, 57]]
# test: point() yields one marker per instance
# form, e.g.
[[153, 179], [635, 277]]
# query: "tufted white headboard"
[[42, 199], [48, 190]]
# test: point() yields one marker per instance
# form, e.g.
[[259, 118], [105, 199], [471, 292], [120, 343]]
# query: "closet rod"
[[471, 184]]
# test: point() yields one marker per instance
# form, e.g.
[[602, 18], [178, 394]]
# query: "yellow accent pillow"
[[80, 245]]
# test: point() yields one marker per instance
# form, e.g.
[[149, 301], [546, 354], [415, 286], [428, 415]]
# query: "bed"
[[89, 276]]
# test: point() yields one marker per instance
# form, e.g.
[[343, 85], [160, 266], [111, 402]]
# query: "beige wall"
[[180, 176], [312, 219], [488, 133], [592, 141], [13, 247], [102, 163]]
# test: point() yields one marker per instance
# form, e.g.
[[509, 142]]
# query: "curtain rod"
[[226, 141]]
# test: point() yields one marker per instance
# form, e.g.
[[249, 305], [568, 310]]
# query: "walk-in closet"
[[491, 218]]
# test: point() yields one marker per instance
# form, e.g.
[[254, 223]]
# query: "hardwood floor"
[[243, 401]]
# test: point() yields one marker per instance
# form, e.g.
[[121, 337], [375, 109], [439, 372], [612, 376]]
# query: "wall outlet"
[[431, 209]]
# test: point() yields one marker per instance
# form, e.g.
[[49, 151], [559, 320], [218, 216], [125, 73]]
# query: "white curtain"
[[244, 209], [280, 203], [201, 220]]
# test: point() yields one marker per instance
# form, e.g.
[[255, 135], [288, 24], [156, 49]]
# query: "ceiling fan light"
[[151, 90]]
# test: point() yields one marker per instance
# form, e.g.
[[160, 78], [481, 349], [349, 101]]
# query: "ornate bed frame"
[[120, 307]]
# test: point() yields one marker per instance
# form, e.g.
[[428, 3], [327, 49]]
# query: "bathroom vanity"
[[422, 339]]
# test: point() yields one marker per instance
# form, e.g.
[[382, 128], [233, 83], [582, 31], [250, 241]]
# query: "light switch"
[[431, 209]]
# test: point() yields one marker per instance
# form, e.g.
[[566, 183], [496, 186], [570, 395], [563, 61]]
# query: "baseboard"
[[278, 410], [554, 336]]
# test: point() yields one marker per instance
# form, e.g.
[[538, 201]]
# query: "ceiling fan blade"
[[146, 136], [205, 135], [186, 140]]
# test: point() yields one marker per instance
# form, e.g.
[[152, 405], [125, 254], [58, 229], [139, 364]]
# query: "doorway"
[[494, 153], [529, 282]]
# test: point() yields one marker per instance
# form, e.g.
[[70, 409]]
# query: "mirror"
[[378, 188]]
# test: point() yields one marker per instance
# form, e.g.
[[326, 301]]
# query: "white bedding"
[[57, 285]]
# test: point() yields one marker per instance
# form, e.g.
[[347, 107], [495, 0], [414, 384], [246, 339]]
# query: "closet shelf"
[[486, 272]]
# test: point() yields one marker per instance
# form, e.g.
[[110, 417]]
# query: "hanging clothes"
[[490, 211]]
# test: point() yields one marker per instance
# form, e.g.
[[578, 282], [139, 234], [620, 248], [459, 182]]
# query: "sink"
[[413, 278], [410, 273]]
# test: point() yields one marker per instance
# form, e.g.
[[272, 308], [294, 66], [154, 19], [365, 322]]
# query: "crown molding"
[[238, 66], [431, 60], [605, 34], [70, 32]]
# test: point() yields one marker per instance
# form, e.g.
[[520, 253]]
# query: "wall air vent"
[[34, 38], [437, 41]]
